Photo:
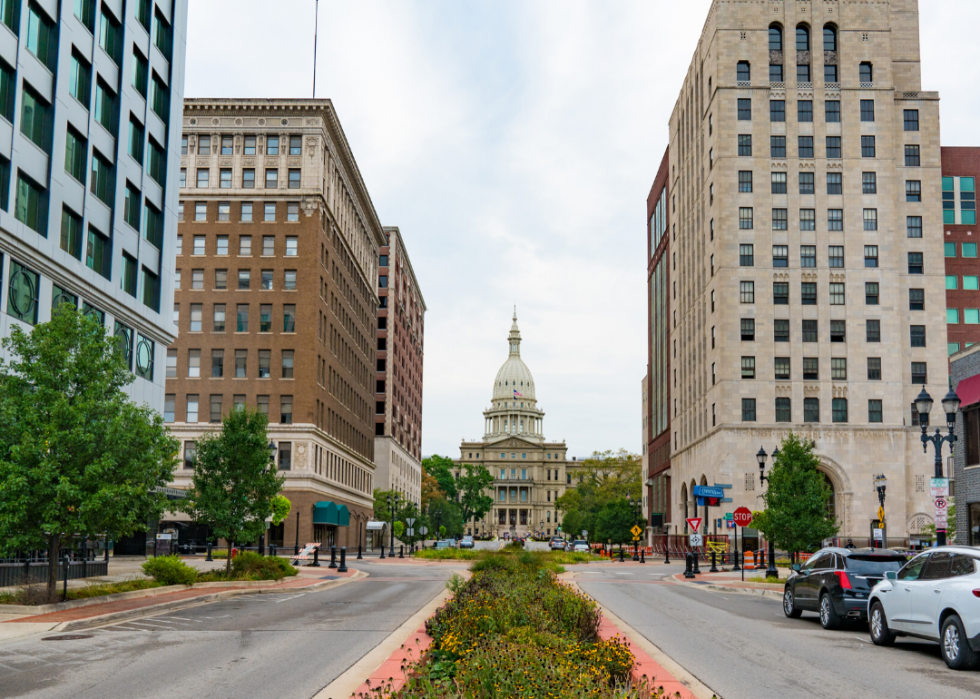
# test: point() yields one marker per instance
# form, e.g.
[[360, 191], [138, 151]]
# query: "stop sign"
[[742, 517]]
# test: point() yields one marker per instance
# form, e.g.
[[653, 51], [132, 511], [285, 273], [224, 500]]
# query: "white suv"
[[936, 596]]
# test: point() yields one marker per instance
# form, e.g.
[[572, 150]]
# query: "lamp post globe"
[[951, 404]]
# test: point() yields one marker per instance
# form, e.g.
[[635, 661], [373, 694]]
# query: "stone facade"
[[796, 307]]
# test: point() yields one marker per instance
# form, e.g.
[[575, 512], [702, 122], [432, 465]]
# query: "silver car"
[[466, 542], [578, 546]]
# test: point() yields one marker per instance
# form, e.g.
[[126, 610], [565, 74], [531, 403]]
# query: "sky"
[[514, 143]]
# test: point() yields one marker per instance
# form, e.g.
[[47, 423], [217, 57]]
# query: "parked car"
[[933, 597], [577, 546], [444, 544], [836, 583], [556, 544], [466, 542]]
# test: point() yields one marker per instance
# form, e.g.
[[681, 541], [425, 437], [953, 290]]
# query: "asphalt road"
[[743, 647], [285, 645]]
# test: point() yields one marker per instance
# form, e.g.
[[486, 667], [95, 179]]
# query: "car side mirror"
[[796, 567], [891, 575]]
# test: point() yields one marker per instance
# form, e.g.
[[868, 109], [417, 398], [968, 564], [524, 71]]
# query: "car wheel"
[[828, 615], [881, 635], [955, 646], [789, 605]]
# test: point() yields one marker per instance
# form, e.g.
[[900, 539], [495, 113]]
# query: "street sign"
[[585, 533], [881, 514], [410, 532], [694, 523], [696, 540], [729, 516], [939, 487], [878, 534], [636, 531], [423, 530], [708, 491], [410, 521], [940, 504], [743, 517], [636, 538]]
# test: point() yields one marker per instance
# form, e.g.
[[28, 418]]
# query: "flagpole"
[[316, 23]]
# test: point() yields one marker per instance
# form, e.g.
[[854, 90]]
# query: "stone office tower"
[[277, 267], [806, 250]]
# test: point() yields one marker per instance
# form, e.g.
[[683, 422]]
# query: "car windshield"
[[581, 543], [872, 565]]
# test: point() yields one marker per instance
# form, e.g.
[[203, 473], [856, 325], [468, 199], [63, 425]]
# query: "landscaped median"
[[514, 630]]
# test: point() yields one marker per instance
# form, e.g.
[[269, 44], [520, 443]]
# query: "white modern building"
[[90, 100]]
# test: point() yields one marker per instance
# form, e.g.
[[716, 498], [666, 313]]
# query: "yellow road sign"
[[636, 530], [636, 538], [717, 546], [881, 514]]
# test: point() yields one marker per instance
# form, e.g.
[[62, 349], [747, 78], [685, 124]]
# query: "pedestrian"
[[850, 545]]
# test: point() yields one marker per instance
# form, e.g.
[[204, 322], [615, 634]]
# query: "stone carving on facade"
[[835, 165], [779, 165], [840, 391], [809, 276], [203, 162], [830, 58], [812, 389], [239, 122], [248, 162], [272, 162], [837, 277], [225, 162], [216, 121], [261, 122], [775, 58], [780, 276], [309, 206], [808, 165], [311, 144], [293, 162], [313, 121], [802, 58]]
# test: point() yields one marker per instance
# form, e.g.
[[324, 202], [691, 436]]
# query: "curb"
[[774, 594], [153, 609]]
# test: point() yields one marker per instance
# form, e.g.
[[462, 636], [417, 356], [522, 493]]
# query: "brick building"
[[398, 381], [961, 170], [277, 262]]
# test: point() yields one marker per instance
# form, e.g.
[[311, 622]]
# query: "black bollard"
[[689, 565], [84, 556], [735, 557], [359, 556], [620, 553], [383, 552], [262, 544], [343, 560], [316, 557], [333, 557], [642, 559], [697, 568], [401, 551], [209, 553], [64, 594], [714, 568], [667, 552]]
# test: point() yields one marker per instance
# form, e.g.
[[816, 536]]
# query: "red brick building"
[[961, 171]]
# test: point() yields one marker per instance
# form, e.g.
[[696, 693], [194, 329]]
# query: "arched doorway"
[[684, 503]]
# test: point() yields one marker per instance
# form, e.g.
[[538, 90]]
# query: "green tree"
[[796, 517], [472, 486], [76, 454], [442, 468], [234, 481], [929, 530], [280, 509], [606, 477], [445, 513], [614, 522]]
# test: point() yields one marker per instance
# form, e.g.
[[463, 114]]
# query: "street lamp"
[[761, 457], [272, 449], [923, 404], [391, 518], [881, 482]]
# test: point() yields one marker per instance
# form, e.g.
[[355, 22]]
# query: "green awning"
[[327, 512]]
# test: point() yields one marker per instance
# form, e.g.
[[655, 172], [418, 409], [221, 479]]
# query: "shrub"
[[249, 565], [170, 570]]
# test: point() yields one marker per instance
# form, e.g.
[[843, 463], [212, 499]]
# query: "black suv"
[[836, 582]]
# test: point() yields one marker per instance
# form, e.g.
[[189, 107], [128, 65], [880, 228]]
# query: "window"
[[266, 279], [249, 146], [743, 72], [911, 119], [224, 214], [748, 410], [804, 111], [23, 289], [874, 410], [782, 370], [874, 368], [127, 280], [835, 219], [294, 178], [969, 249], [746, 256], [803, 73], [872, 331], [915, 263], [780, 256], [227, 145], [169, 401], [871, 293], [745, 144], [292, 243], [286, 418], [110, 35], [835, 256], [970, 283], [871, 219], [913, 190], [245, 246], [871, 256], [197, 278], [80, 79], [271, 179], [270, 212], [838, 331], [810, 331], [265, 318], [833, 146], [218, 318], [746, 292], [241, 363], [42, 36], [777, 146], [76, 154], [838, 369], [292, 211], [745, 220], [913, 227], [971, 316], [919, 374], [808, 293], [867, 110], [246, 215], [133, 206], [295, 145], [777, 110], [775, 73], [806, 183], [839, 409], [748, 329], [289, 318], [779, 219], [748, 367], [808, 256], [203, 178], [745, 181], [153, 228], [784, 412], [140, 72], [867, 146], [912, 156], [806, 146], [193, 363], [780, 293], [811, 408], [265, 359], [866, 72], [244, 279], [215, 408], [287, 364], [98, 255], [35, 118], [778, 182], [289, 280], [224, 178], [917, 299], [200, 211], [835, 183], [917, 334], [832, 107], [836, 294], [869, 183], [71, 233], [160, 99], [780, 330], [105, 105]]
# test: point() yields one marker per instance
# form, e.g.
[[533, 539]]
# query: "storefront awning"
[[375, 526], [327, 512], [969, 391]]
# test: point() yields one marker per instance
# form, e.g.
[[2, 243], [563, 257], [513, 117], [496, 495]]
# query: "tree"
[[614, 522], [430, 489], [445, 513], [76, 454], [472, 486], [234, 481], [606, 478], [442, 468], [280, 509], [796, 517], [929, 530]]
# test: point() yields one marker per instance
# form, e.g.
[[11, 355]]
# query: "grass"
[[764, 579], [553, 557], [37, 594]]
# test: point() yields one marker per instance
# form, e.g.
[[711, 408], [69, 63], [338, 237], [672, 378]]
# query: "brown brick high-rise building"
[[398, 382], [277, 262], [961, 169]]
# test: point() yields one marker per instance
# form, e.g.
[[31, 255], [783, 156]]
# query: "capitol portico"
[[530, 473]]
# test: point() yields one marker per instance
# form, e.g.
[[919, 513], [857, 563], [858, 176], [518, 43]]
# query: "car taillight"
[[976, 593], [845, 582]]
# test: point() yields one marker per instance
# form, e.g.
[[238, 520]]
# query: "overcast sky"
[[514, 143]]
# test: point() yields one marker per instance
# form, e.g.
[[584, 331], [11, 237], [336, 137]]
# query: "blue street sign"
[[707, 491]]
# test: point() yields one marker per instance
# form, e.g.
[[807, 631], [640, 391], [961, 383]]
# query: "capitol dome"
[[514, 410], [514, 374]]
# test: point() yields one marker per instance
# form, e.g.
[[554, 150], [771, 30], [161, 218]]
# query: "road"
[[278, 646], [742, 647]]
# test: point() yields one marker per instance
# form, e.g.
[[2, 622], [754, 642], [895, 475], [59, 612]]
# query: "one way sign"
[[695, 523]]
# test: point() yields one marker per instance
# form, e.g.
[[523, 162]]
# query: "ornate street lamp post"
[[761, 457], [923, 404]]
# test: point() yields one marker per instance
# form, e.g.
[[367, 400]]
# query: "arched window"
[[832, 502], [829, 37], [775, 37], [867, 72], [743, 72], [803, 37]]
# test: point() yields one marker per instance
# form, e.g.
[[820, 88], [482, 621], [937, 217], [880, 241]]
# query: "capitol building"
[[530, 473]]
